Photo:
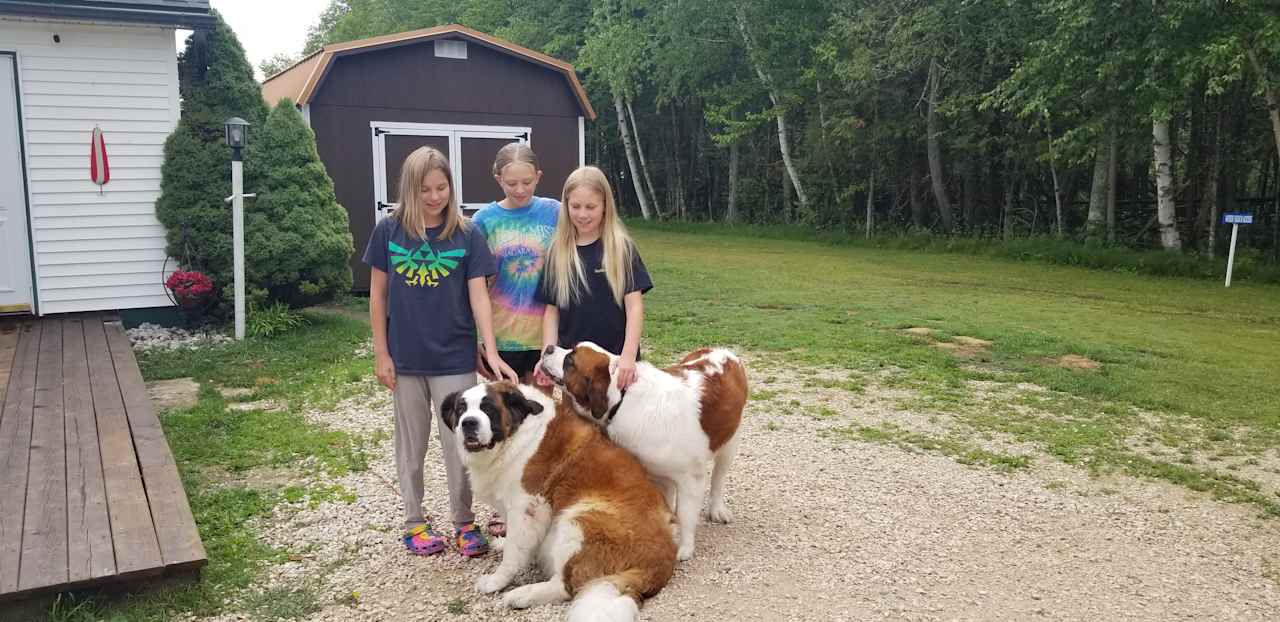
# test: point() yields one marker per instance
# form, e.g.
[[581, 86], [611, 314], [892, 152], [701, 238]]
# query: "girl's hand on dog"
[[504, 371], [626, 372], [385, 370]]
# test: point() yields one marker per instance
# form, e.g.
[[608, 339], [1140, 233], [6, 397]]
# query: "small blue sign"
[[1237, 218]]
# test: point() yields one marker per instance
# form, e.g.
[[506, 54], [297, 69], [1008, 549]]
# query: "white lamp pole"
[[237, 131]]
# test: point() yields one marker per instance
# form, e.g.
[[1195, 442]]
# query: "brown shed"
[[371, 102]]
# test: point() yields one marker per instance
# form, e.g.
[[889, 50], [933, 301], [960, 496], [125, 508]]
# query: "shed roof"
[[301, 80]]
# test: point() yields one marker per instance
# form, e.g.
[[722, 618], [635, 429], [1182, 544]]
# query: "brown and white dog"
[[573, 500], [674, 420]]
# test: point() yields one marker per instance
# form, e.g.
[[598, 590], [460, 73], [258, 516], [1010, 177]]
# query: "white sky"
[[266, 27]]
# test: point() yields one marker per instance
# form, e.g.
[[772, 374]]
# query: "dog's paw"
[[685, 552], [490, 583], [522, 597], [720, 514]]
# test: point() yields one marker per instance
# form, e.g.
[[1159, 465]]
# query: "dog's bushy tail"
[[602, 601]]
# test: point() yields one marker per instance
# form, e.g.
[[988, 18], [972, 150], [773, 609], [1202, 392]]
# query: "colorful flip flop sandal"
[[471, 542], [423, 540]]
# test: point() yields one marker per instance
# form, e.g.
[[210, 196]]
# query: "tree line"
[[1131, 123]]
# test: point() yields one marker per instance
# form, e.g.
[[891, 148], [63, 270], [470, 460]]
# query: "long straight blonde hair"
[[423, 160], [566, 275]]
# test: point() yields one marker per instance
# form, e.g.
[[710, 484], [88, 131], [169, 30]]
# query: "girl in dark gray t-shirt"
[[427, 300]]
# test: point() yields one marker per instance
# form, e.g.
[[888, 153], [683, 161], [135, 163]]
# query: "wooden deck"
[[89, 492]]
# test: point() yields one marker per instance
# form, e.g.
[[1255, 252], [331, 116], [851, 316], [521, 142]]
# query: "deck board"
[[90, 555], [15, 448], [44, 530]]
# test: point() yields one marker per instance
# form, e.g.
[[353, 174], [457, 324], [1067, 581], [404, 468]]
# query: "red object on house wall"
[[99, 169]]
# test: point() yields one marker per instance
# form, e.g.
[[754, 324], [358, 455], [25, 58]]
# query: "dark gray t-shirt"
[[596, 317], [430, 328]]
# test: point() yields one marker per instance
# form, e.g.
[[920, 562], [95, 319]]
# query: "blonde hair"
[[564, 269], [422, 161], [514, 152]]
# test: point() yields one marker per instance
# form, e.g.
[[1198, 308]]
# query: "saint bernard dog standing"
[[573, 500], [674, 420]]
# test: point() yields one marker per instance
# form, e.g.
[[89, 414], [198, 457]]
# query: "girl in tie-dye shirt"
[[518, 229]]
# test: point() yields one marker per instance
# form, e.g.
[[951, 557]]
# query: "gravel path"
[[833, 529]]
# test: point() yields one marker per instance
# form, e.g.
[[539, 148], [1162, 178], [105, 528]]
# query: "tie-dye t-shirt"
[[519, 239]]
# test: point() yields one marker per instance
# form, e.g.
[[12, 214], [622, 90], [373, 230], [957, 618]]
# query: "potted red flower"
[[193, 291]]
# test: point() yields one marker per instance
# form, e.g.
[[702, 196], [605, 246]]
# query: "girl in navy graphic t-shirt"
[[427, 299]]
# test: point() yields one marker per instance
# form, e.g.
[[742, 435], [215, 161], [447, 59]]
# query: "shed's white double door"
[[470, 149]]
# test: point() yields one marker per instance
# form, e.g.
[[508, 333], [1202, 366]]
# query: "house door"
[[15, 254], [470, 149]]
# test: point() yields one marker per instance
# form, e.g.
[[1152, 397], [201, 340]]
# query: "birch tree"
[[779, 110]]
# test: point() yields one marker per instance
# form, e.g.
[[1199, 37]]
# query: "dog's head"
[[486, 415], [586, 373]]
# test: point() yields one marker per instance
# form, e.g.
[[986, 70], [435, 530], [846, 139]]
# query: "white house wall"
[[95, 251]]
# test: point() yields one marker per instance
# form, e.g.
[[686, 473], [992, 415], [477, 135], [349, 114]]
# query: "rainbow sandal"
[[423, 540], [471, 542]]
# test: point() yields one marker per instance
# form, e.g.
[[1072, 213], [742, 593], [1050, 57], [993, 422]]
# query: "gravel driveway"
[[834, 529]]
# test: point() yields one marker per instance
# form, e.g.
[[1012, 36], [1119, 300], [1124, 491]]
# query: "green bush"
[[272, 320], [216, 82], [297, 240]]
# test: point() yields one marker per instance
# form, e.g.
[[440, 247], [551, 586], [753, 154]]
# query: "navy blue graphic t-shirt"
[[430, 328]]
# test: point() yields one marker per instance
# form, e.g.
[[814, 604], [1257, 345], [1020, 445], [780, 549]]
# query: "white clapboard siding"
[[95, 248]]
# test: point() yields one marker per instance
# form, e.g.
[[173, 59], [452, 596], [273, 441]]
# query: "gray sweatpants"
[[417, 402]]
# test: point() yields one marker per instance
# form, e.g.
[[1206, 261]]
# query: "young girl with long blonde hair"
[[594, 280], [427, 299]]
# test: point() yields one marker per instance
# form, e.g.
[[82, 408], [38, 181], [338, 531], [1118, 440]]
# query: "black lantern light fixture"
[[237, 135]]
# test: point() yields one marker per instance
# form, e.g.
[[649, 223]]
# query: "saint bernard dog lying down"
[[674, 420], [573, 500]]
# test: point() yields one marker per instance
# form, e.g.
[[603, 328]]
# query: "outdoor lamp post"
[[237, 137]]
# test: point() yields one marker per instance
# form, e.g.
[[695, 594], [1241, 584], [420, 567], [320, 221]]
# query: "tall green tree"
[[298, 242], [216, 82]]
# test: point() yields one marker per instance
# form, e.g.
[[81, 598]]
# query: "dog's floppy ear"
[[449, 409], [518, 406], [598, 381], [589, 386]]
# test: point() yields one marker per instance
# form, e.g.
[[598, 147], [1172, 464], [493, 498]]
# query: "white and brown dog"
[[573, 500], [674, 420]]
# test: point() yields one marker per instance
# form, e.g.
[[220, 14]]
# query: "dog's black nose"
[[547, 351], [469, 424]]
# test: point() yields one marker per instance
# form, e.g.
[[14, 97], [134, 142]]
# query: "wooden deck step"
[[89, 490]]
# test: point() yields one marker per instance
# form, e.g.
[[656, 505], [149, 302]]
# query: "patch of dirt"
[[972, 342], [1075, 361], [175, 393], [263, 405], [833, 530], [234, 393], [264, 478], [964, 349], [959, 346]]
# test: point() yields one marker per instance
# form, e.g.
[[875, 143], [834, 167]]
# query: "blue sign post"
[[1235, 219]]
